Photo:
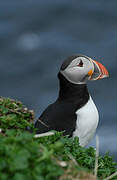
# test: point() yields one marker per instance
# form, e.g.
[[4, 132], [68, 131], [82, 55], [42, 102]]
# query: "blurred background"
[[37, 35]]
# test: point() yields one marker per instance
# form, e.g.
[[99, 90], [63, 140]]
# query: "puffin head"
[[78, 69]]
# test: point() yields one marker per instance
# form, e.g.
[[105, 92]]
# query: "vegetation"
[[45, 158], [14, 115]]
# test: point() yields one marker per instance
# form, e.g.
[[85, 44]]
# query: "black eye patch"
[[80, 63]]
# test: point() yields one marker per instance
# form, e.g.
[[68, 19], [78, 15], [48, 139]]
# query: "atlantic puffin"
[[74, 111]]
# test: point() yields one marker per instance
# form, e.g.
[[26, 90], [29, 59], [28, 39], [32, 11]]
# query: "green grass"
[[47, 158]]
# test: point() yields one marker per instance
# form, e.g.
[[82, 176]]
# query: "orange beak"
[[100, 71]]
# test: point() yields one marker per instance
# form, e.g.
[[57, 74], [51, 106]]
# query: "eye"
[[80, 63]]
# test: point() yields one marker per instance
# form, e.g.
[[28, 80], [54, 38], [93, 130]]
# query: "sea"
[[35, 38]]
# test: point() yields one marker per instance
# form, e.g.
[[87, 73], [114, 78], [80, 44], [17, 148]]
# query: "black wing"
[[57, 116]]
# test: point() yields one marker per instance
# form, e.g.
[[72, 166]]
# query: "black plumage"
[[61, 114]]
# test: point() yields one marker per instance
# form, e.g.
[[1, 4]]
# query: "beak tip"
[[105, 76], [103, 71]]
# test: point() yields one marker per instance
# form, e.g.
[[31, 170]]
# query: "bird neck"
[[69, 92]]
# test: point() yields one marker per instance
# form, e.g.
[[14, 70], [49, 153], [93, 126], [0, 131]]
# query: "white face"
[[77, 71]]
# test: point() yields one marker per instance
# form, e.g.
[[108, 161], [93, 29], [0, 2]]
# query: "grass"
[[54, 157]]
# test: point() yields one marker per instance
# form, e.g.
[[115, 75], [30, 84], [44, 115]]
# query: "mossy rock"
[[14, 115]]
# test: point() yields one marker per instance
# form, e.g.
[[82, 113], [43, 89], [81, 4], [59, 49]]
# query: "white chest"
[[87, 121]]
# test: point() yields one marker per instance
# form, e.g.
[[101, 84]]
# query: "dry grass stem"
[[96, 157], [44, 134], [111, 176], [72, 158]]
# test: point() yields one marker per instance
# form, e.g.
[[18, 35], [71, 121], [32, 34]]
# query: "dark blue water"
[[36, 36]]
